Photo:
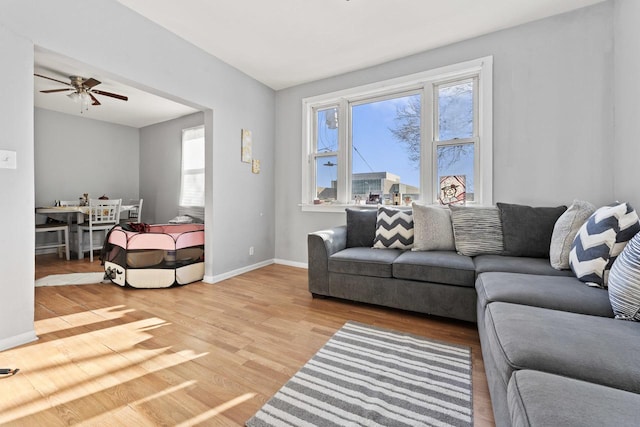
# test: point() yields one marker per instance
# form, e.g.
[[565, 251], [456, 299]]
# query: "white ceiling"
[[142, 108], [283, 43]]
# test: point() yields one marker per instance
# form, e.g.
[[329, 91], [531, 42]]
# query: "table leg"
[[80, 251]]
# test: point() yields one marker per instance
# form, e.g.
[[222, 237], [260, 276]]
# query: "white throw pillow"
[[432, 229], [565, 231]]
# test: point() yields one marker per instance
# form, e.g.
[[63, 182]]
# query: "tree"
[[456, 118]]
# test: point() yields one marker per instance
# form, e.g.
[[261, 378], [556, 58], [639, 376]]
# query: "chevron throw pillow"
[[600, 240], [394, 229]]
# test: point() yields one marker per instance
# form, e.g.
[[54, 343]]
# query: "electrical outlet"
[[250, 250]]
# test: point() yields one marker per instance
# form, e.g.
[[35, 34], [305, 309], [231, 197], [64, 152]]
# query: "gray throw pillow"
[[432, 229], [624, 282], [361, 227], [477, 230], [527, 230], [565, 230]]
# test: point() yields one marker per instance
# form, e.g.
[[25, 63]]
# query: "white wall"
[[133, 50], [160, 167], [627, 96], [76, 155], [553, 117]]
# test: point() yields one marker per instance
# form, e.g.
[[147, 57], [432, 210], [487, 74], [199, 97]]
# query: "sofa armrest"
[[320, 246]]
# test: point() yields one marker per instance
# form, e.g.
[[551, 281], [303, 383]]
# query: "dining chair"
[[61, 230], [103, 216], [136, 212]]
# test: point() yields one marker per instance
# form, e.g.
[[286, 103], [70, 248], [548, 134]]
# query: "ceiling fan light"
[[75, 97]]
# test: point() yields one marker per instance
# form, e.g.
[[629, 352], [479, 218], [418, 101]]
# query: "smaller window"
[[192, 177], [325, 155]]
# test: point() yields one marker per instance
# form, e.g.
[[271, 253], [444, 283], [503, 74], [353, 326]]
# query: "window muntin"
[[192, 171], [464, 84]]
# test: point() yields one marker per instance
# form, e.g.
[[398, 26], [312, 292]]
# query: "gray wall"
[[137, 52], [627, 95], [552, 118], [16, 190], [160, 167], [76, 155]]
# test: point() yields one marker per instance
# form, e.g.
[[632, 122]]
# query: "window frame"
[[481, 70]]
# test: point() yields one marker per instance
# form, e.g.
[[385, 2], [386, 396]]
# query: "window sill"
[[339, 208]]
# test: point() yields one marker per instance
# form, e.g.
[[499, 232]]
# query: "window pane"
[[192, 174], [386, 149], [455, 111], [326, 178], [457, 160], [327, 128]]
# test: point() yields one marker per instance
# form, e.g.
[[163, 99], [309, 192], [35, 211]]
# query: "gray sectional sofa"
[[553, 352]]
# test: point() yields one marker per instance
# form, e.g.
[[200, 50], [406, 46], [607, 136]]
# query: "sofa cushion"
[[624, 282], [541, 399], [527, 230], [432, 229], [600, 240], [394, 229], [477, 230], [565, 230], [364, 261], [552, 292], [541, 266], [435, 266], [584, 347], [361, 227]]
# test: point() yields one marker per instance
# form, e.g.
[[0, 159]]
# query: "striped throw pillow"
[[394, 229], [477, 230], [624, 282]]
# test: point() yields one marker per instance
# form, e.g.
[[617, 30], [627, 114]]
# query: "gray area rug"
[[376, 377]]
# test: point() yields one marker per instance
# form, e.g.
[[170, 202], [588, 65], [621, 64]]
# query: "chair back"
[[136, 211], [102, 212]]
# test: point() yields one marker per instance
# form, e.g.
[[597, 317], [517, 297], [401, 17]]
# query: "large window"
[[398, 141], [192, 182]]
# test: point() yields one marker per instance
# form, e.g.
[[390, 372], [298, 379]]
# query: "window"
[[192, 178], [394, 142]]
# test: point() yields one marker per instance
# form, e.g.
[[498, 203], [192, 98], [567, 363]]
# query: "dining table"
[[69, 213]]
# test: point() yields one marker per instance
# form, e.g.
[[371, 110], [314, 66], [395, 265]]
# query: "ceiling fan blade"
[[55, 80], [113, 95], [89, 83], [55, 90], [94, 99]]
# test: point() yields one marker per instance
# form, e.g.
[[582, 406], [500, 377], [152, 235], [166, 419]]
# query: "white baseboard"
[[229, 274], [17, 340], [291, 263]]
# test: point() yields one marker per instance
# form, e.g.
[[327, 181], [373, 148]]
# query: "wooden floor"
[[201, 354]]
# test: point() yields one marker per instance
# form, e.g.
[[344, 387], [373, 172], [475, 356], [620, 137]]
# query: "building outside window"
[[394, 142]]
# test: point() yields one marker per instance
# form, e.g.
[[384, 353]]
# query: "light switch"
[[8, 159]]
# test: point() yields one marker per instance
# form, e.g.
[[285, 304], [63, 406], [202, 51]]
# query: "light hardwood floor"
[[200, 354]]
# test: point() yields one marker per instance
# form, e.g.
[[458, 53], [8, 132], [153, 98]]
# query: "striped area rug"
[[376, 377]]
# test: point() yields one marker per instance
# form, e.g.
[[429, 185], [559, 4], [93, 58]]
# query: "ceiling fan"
[[83, 90]]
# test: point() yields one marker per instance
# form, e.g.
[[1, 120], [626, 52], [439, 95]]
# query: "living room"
[[564, 108]]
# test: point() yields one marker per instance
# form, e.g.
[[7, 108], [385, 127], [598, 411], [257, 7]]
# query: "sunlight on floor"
[[67, 371]]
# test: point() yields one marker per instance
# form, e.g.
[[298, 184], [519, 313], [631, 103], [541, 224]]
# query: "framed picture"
[[246, 145], [453, 190]]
